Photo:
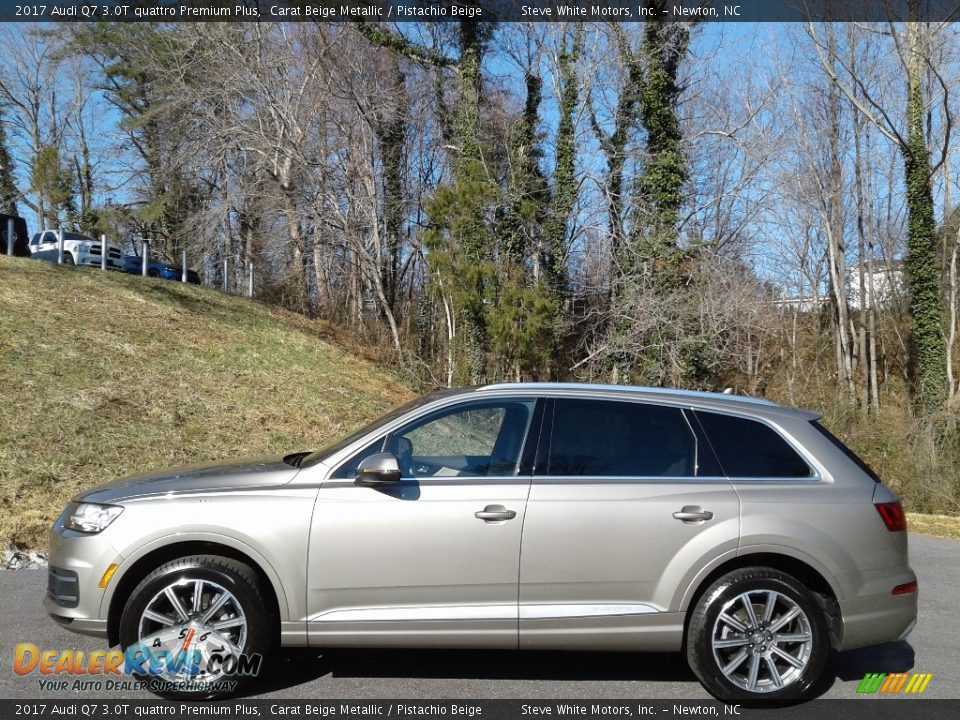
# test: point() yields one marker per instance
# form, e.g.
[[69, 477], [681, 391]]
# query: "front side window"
[[476, 439], [604, 438], [750, 449]]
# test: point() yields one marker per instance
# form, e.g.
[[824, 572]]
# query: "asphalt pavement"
[[933, 647]]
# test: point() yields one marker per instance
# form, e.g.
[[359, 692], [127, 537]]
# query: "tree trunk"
[[928, 358]]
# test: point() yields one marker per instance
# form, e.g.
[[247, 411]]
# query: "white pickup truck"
[[77, 249]]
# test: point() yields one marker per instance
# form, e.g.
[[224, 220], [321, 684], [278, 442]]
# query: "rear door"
[[627, 506]]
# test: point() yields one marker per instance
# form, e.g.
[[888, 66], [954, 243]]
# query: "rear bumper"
[[877, 619]]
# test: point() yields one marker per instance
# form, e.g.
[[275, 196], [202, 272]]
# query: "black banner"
[[480, 10], [853, 709]]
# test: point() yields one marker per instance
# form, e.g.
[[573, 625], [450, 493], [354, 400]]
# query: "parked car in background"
[[77, 249], [733, 529], [20, 236], [133, 264]]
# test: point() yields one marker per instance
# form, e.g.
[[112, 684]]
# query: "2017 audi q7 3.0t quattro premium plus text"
[[529, 516]]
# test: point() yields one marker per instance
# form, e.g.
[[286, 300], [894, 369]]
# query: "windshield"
[[315, 457]]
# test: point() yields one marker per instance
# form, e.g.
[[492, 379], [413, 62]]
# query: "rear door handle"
[[693, 514], [492, 513]]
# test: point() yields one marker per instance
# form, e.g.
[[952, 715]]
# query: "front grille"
[[112, 253], [63, 587]]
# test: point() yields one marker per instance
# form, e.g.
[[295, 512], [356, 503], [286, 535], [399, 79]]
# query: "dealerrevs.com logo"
[[202, 667]]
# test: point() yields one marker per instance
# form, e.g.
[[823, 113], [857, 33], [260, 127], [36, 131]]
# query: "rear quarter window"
[[751, 449], [851, 455]]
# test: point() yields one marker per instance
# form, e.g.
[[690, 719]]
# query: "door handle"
[[492, 513], [693, 514]]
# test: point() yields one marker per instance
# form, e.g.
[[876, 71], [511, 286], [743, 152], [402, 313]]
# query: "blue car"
[[158, 269]]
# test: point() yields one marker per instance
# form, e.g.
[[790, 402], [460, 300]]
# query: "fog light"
[[105, 580]]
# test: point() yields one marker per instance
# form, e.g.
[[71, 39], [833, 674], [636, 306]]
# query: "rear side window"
[[851, 455], [751, 449], [605, 438]]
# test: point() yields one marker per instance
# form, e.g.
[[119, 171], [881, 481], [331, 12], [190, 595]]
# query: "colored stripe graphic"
[[894, 683], [871, 682]]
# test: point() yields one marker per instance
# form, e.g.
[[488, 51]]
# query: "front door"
[[432, 559]]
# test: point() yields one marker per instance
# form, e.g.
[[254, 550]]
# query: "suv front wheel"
[[197, 627], [757, 634]]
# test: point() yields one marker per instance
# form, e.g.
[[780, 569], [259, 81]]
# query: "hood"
[[213, 477]]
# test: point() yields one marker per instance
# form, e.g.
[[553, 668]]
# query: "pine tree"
[[55, 183], [8, 187]]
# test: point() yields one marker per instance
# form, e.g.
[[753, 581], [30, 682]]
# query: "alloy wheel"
[[762, 641]]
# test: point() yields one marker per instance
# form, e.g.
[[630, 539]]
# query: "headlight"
[[90, 517], [84, 247]]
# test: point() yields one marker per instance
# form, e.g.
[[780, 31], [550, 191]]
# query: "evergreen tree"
[[54, 182], [461, 212], [8, 188]]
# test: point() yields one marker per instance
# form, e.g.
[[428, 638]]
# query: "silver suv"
[[576, 517]]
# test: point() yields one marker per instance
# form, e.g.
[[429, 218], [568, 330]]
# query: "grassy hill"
[[105, 374]]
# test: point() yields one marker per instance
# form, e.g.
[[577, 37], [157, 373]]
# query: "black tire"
[[68, 259], [708, 661], [236, 577], [153, 273]]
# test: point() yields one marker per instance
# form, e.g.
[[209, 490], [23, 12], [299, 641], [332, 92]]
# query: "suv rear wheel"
[[757, 633], [191, 621]]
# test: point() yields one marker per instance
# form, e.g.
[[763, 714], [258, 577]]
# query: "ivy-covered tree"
[[564, 195], [648, 263], [927, 356], [929, 353], [462, 211], [659, 188]]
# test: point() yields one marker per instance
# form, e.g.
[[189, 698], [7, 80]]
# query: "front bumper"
[[77, 562], [91, 260]]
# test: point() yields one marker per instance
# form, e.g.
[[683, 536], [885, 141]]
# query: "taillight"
[[893, 516], [905, 589]]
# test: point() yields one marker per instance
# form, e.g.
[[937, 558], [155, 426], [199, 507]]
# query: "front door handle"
[[493, 513], [693, 514]]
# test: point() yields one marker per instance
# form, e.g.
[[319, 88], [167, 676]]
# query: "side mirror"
[[378, 469]]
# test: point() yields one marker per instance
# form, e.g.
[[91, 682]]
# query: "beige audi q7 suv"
[[525, 516]]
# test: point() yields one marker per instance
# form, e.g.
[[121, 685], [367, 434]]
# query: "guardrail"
[[144, 259]]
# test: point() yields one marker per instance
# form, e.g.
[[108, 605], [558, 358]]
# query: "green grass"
[[945, 526], [105, 374]]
